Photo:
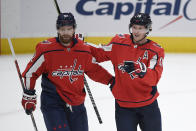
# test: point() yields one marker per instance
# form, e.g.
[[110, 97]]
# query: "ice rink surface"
[[177, 98]]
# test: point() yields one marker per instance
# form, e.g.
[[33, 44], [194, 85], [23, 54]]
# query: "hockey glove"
[[137, 68], [79, 36], [29, 101]]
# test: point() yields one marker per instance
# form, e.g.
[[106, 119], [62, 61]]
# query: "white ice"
[[177, 98]]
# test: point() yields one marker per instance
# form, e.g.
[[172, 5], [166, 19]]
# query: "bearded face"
[[65, 34]]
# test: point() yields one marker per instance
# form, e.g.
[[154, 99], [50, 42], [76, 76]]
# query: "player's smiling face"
[[66, 34], [139, 32]]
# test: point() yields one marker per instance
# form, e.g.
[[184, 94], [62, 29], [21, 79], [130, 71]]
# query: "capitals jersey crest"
[[122, 68], [68, 71]]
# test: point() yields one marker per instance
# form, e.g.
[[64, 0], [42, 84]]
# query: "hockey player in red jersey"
[[62, 62], [138, 65]]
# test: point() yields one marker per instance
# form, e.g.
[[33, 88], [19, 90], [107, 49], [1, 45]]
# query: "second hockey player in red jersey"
[[138, 65], [62, 62]]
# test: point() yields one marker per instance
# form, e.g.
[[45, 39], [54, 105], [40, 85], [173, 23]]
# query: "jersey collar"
[[131, 37]]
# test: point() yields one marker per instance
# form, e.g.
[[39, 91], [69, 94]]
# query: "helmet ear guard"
[[65, 19], [149, 27]]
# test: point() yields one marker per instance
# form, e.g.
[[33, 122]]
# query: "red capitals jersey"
[[64, 69], [130, 90]]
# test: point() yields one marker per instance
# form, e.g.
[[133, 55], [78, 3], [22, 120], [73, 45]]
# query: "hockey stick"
[[92, 101], [20, 77], [85, 81], [57, 6]]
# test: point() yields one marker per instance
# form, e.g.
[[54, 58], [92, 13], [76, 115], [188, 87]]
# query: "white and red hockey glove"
[[29, 101], [137, 68], [79, 36]]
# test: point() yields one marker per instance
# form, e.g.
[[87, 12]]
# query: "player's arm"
[[148, 73], [33, 70], [154, 69], [101, 52], [96, 72]]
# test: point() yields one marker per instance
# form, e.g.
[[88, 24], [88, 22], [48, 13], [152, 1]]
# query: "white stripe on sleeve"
[[153, 62], [104, 47], [107, 47], [32, 70]]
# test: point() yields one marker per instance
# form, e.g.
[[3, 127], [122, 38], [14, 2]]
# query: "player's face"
[[66, 34], [139, 32]]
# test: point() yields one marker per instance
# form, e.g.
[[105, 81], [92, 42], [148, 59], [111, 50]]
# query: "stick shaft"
[[57, 6], [20, 77], [92, 101]]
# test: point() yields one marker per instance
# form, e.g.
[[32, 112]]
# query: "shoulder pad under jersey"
[[45, 42]]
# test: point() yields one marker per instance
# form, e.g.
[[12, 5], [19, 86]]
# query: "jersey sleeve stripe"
[[153, 62], [82, 51], [107, 47], [120, 44], [42, 55], [93, 45], [33, 69]]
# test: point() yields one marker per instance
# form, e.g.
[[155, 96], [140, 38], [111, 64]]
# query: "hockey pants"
[[59, 117], [147, 117]]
